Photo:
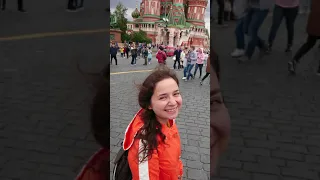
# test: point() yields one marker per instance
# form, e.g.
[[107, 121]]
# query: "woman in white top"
[[182, 56]]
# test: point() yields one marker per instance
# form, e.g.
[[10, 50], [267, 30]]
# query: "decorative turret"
[[135, 14], [171, 19], [196, 12], [178, 9]]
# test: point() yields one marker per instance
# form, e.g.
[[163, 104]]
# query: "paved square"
[[275, 117], [44, 100]]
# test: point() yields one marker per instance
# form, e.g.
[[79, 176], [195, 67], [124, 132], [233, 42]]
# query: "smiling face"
[[166, 100]]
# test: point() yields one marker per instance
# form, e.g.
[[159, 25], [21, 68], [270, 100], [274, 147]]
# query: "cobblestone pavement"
[[44, 100], [193, 120], [275, 117]]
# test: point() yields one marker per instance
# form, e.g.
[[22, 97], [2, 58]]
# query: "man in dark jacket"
[[113, 53], [177, 53]]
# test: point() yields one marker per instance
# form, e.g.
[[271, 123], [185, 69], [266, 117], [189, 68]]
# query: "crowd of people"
[[250, 16], [189, 59]]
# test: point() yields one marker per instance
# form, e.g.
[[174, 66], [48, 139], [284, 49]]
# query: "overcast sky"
[[131, 5]]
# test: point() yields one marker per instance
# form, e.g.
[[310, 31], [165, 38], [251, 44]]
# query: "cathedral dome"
[[135, 14]]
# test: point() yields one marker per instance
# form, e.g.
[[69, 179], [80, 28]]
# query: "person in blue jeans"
[[240, 12], [193, 60], [288, 10], [239, 32], [256, 14]]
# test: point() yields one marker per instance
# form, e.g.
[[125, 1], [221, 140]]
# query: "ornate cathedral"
[[172, 22]]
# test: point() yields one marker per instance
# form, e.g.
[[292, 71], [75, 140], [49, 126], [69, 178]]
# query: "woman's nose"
[[172, 101]]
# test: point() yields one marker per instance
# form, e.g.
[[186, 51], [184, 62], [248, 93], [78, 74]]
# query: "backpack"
[[121, 170]]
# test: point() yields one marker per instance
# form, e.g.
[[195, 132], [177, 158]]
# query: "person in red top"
[[152, 138], [161, 56]]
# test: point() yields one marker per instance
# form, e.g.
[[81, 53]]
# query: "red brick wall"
[[116, 34]]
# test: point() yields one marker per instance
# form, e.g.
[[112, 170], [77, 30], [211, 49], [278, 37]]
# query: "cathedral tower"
[[151, 10], [196, 12]]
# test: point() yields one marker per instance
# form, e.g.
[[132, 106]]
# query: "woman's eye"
[[162, 98], [214, 101], [176, 94]]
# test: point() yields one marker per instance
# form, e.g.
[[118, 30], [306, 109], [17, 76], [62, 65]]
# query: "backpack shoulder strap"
[[121, 152]]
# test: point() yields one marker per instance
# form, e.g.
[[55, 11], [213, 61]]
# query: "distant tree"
[[125, 37], [140, 36], [120, 13]]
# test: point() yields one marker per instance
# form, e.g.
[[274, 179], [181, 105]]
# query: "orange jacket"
[[164, 164]]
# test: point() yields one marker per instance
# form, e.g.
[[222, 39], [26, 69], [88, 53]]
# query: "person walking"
[[161, 56], [145, 55], [72, 6], [193, 57], [313, 30], [182, 58], [113, 53], [186, 62], [177, 53], [221, 4], [199, 64], [133, 55], [256, 14], [288, 10], [207, 70], [20, 5], [240, 12], [127, 51], [149, 55]]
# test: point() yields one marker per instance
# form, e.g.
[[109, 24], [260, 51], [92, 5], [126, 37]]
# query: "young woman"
[[313, 30], [219, 118], [207, 71], [288, 10], [152, 138], [183, 55], [199, 63]]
